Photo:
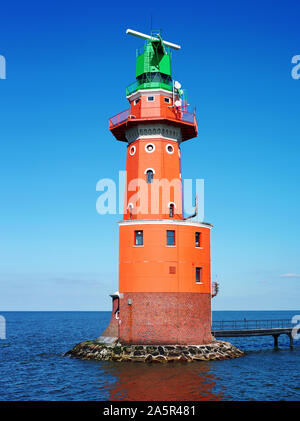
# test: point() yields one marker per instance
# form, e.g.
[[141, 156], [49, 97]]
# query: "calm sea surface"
[[32, 365]]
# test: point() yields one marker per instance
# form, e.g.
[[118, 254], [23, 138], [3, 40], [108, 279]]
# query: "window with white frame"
[[198, 275]]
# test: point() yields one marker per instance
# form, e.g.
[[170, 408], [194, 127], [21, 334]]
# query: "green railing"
[[147, 83]]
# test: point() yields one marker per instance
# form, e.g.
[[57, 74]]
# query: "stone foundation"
[[217, 350]]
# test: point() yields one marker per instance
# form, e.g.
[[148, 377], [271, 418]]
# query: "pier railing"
[[250, 324]]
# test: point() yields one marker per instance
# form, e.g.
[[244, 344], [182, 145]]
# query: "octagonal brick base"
[[165, 318]]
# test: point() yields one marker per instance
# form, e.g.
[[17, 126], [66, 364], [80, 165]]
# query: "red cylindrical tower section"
[[154, 183]]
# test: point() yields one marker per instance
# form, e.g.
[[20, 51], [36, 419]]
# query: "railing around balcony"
[[119, 118], [147, 113], [155, 83], [187, 117]]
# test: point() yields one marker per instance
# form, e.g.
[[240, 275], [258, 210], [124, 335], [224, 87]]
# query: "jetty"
[[248, 328]]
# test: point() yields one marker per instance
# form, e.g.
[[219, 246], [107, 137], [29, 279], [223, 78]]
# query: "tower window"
[[170, 148], [199, 275], [150, 98], [136, 101], [132, 150], [171, 210], [167, 100], [197, 239], [130, 207], [149, 147], [138, 238], [149, 176], [170, 238]]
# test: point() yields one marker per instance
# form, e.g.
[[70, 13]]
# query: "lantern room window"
[[138, 238]]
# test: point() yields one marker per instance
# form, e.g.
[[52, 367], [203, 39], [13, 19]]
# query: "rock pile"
[[217, 350]]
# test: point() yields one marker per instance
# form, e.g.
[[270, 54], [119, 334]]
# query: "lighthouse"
[[164, 294]]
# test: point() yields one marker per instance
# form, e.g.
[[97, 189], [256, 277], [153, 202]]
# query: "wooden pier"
[[248, 328]]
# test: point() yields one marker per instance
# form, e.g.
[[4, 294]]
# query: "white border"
[[149, 169], [147, 144], [173, 149], [166, 222], [134, 148]]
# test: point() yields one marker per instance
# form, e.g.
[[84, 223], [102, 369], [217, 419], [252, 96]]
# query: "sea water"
[[33, 366]]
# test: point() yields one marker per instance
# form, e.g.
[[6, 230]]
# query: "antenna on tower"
[[144, 36]]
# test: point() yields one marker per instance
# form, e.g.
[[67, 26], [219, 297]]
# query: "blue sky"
[[68, 64]]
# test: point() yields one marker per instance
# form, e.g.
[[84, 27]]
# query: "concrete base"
[[106, 340]]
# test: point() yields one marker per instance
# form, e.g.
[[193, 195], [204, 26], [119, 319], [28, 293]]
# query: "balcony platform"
[[187, 122]]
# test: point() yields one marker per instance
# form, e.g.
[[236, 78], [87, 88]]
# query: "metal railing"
[[153, 113], [187, 117], [154, 84], [250, 324], [119, 118]]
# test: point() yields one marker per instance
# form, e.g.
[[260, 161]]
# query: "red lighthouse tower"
[[164, 259]]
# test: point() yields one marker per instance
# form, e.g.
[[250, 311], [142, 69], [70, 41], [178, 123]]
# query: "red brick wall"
[[165, 318]]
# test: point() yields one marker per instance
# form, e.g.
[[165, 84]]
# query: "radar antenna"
[[144, 36]]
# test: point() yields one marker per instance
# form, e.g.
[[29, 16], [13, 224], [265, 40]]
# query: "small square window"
[[197, 239], [199, 275], [138, 238], [167, 100], [150, 98], [172, 270], [170, 238]]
